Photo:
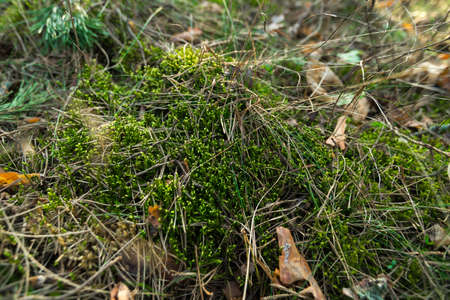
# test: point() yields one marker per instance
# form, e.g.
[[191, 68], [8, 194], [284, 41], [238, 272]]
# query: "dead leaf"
[[121, 292], [188, 36], [25, 145], [439, 236], [132, 26], [359, 109], [8, 179], [153, 219], [32, 120], [232, 291], [444, 56], [408, 27], [211, 7], [293, 266], [443, 80], [429, 72], [384, 4], [369, 288], [338, 136], [321, 79], [37, 281]]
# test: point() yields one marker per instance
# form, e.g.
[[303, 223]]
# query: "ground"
[[160, 144]]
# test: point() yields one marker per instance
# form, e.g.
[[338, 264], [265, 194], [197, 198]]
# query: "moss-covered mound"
[[181, 132], [177, 133]]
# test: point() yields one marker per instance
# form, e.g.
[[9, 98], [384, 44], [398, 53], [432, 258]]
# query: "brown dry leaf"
[[359, 109], [429, 72], [211, 7], [232, 291], [321, 78], [443, 80], [188, 36], [444, 56], [32, 120], [293, 266], [121, 292], [338, 136], [408, 27], [153, 218], [439, 236], [384, 4], [8, 179], [37, 281]]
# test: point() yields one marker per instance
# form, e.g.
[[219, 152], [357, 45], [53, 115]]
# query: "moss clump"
[[206, 160], [179, 133]]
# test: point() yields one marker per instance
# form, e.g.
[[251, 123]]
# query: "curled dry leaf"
[[188, 36], [369, 288], [293, 266], [321, 78], [8, 179], [338, 136], [439, 236], [121, 292], [153, 219], [359, 109]]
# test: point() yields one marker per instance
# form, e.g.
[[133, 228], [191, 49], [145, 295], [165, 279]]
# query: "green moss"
[[181, 135], [185, 155]]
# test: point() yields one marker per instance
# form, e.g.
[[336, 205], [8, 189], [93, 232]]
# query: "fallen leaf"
[[320, 79], [211, 7], [384, 4], [429, 72], [121, 292], [293, 266], [443, 80], [408, 27], [232, 291], [439, 236], [8, 179], [338, 136], [153, 219], [444, 56], [25, 146], [32, 120], [132, 26], [369, 288], [359, 109], [188, 36], [37, 281]]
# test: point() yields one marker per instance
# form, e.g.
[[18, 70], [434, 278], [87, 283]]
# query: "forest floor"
[[222, 149]]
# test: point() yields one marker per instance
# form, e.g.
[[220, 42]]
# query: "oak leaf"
[[293, 266], [8, 179]]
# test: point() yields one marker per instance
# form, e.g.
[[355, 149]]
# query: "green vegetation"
[[223, 136]]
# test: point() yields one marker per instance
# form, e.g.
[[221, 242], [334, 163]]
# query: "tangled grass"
[[224, 137]]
